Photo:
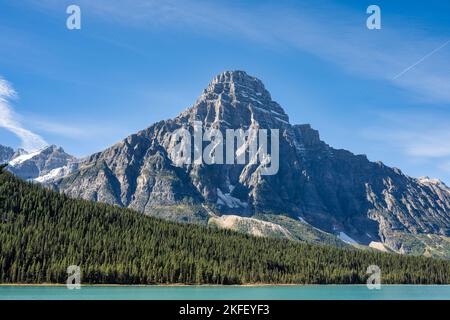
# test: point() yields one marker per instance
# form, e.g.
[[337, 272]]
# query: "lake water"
[[323, 292]]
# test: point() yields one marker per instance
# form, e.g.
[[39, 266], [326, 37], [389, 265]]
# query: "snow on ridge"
[[347, 239], [261, 109], [255, 100], [281, 120], [55, 173], [302, 220], [427, 180], [24, 157], [59, 172], [228, 200], [277, 113]]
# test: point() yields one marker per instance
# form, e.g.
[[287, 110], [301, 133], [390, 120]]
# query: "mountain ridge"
[[330, 189], [39, 165], [43, 232]]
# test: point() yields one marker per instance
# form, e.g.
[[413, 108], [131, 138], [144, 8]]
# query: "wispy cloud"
[[75, 130], [420, 139], [426, 143], [9, 120], [60, 128], [416, 134], [335, 33]]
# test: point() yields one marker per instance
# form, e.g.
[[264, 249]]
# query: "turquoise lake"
[[323, 292]]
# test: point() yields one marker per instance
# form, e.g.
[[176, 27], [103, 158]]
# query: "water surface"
[[321, 292]]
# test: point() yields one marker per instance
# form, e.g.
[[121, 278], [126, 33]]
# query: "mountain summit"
[[234, 99], [319, 194]]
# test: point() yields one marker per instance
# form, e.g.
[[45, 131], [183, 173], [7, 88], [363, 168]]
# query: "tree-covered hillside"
[[43, 232]]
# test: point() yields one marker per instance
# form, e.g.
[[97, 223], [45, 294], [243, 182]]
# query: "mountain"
[[41, 165], [332, 191], [6, 153], [43, 232]]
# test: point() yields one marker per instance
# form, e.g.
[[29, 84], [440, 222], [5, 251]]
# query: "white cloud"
[[336, 34], [426, 144], [431, 147], [9, 120], [75, 130], [419, 139], [60, 128], [417, 134]]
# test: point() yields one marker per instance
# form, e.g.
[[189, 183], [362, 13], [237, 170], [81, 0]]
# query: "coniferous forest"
[[43, 232]]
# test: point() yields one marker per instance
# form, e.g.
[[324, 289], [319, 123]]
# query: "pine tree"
[[43, 232]]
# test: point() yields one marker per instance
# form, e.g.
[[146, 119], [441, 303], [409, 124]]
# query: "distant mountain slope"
[[332, 190], [41, 165], [6, 153], [43, 232]]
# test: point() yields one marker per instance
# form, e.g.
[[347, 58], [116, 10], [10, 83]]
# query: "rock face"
[[39, 164], [329, 189], [6, 153]]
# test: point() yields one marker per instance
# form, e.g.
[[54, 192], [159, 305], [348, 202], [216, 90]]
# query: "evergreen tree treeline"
[[42, 232]]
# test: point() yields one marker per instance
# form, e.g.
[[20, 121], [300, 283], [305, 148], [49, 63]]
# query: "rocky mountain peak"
[[234, 99], [53, 148], [19, 152], [427, 181], [6, 153], [31, 165], [237, 82]]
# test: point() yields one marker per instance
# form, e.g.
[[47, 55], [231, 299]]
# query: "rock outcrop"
[[6, 154]]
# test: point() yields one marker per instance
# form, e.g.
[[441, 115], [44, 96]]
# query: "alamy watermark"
[[73, 22], [74, 278], [241, 147], [374, 20], [374, 280]]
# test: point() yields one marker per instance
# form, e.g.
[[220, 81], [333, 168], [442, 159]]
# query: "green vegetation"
[[43, 232], [181, 213], [429, 245]]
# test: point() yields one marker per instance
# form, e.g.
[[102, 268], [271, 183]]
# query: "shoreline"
[[154, 285], [202, 285]]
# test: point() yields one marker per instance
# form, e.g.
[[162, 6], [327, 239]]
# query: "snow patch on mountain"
[[55, 173], [346, 238], [302, 220], [430, 181], [42, 165], [24, 157], [228, 200]]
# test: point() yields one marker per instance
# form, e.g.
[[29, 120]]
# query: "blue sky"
[[137, 62]]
